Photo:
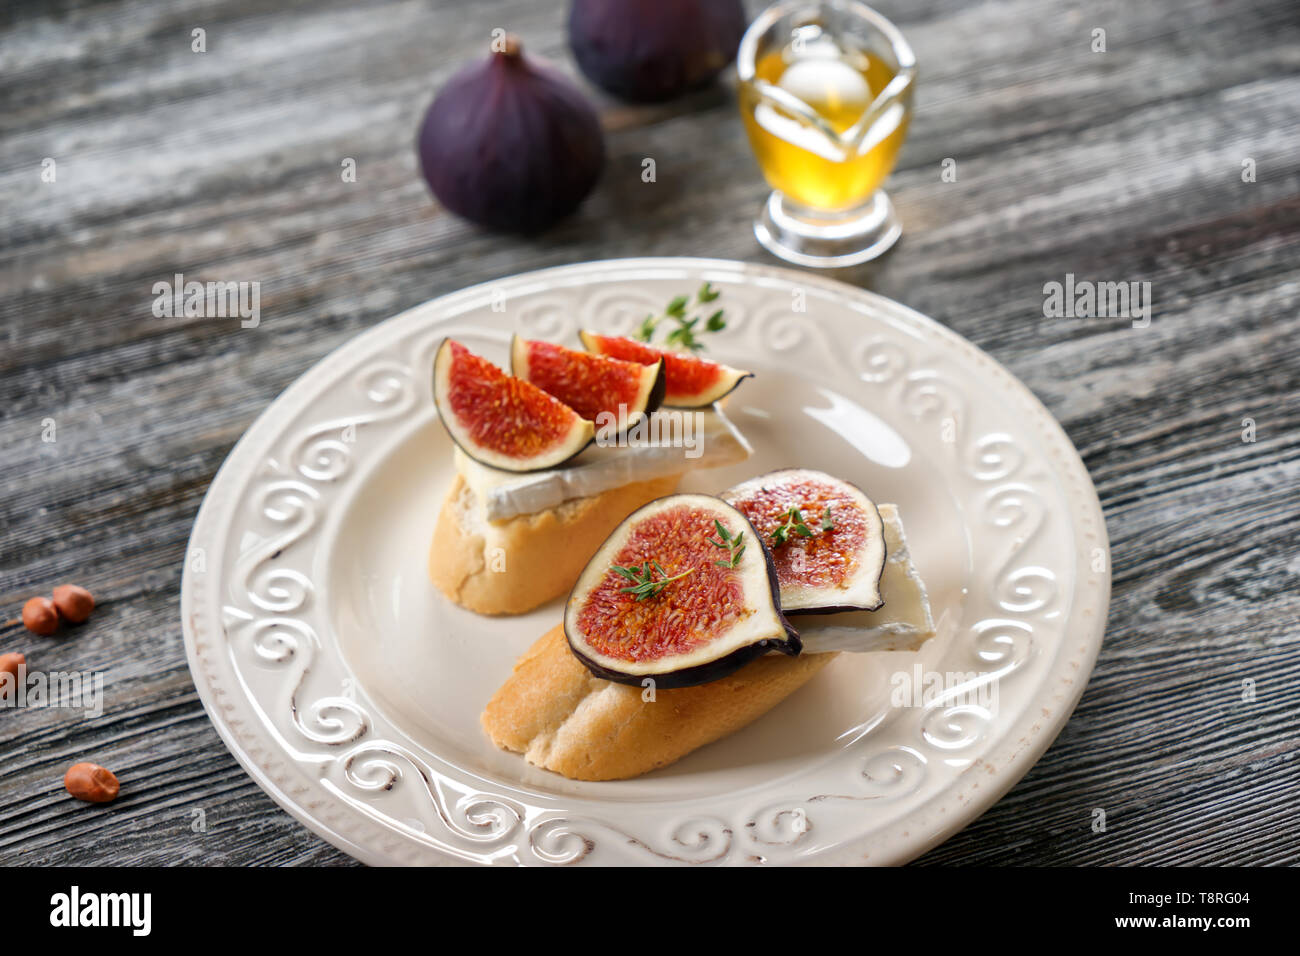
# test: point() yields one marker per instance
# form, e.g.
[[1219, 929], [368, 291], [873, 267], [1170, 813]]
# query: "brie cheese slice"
[[904, 623], [670, 441]]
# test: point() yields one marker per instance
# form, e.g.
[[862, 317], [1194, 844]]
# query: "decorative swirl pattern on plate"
[[893, 773], [694, 840], [928, 397], [324, 451], [275, 590], [779, 826], [1001, 643], [331, 721], [955, 728], [889, 774], [616, 311], [278, 640], [1017, 508], [544, 317], [328, 721], [486, 816], [994, 457], [782, 330], [878, 360], [559, 842], [476, 817]]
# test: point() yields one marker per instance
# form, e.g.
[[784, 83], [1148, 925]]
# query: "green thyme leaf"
[[687, 325], [735, 546], [646, 331], [644, 584], [793, 524]]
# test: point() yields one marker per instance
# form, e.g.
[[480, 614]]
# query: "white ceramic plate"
[[351, 690]]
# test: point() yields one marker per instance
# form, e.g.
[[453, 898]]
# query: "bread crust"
[[563, 719], [513, 566]]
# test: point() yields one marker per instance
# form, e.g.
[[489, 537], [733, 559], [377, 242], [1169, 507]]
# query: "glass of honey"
[[826, 96]]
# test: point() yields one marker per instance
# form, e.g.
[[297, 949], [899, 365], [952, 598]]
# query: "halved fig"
[[500, 420], [592, 385], [670, 598], [831, 553], [692, 382]]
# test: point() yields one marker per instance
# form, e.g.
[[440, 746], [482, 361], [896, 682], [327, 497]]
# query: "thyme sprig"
[[725, 540], [795, 524], [644, 584], [687, 316]]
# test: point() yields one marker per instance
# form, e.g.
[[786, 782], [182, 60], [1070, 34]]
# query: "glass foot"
[[827, 240]]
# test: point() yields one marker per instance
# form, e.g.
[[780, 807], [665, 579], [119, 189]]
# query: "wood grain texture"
[[1117, 166]]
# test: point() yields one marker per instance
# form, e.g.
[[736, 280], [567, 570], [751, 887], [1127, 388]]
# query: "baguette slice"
[[562, 718], [512, 566]]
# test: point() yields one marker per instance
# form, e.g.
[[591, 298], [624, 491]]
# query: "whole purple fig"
[[651, 50], [509, 144]]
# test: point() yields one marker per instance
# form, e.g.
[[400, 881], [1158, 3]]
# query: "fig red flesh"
[[501, 420], [690, 381], [690, 611], [836, 568], [592, 385]]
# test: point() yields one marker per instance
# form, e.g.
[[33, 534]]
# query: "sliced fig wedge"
[[502, 421], [660, 600], [825, 535], [692, 382], [610, 392]]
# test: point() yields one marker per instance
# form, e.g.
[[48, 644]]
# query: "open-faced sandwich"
[[551, 456], [676, 633]]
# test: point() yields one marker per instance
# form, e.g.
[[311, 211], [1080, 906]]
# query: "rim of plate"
[[1021, 745]]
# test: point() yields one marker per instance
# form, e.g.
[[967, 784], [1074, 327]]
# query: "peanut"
[[74, 603], [10, 663], [90, 782], [40, 616]]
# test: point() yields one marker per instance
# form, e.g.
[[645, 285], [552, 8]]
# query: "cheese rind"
[[673, 441], [904, 623]]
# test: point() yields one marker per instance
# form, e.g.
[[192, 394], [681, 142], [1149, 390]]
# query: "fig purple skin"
[[646, 51], [511, 145]]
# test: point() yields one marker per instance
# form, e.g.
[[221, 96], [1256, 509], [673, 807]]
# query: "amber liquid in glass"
[[839, 84]]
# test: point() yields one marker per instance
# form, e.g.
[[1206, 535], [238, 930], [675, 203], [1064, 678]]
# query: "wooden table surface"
[[1123, 165]]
